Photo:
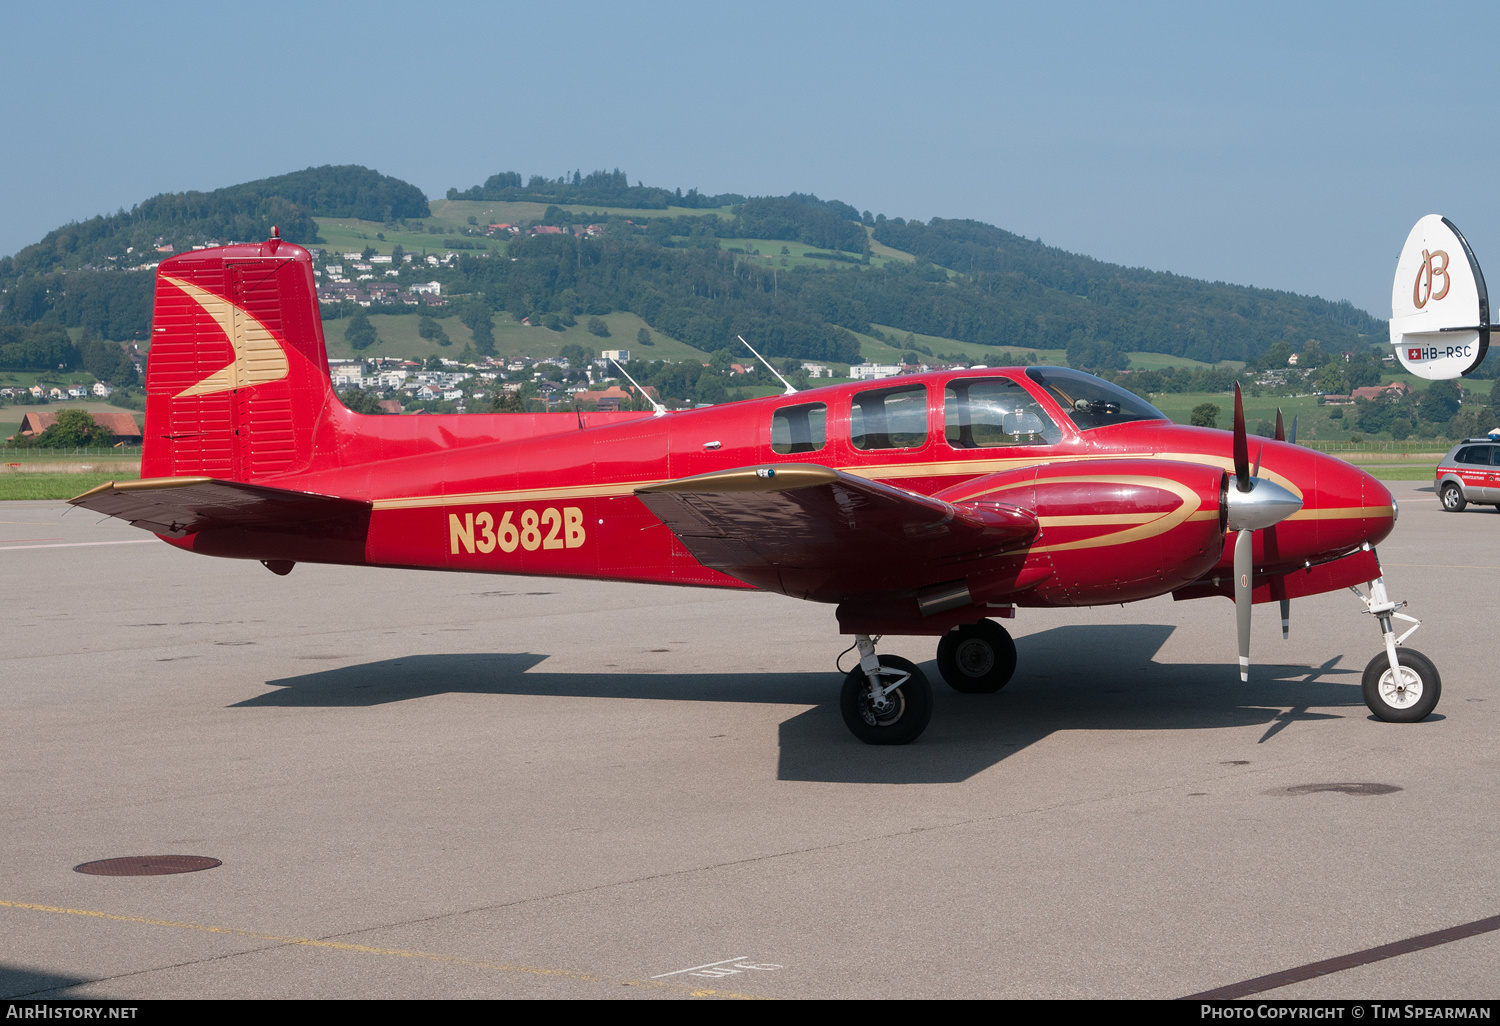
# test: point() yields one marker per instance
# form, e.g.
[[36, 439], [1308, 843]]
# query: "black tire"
[[1408, 704], [1453, 499], [977, 658], [904, 722]]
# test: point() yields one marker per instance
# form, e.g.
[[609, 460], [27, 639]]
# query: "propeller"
[[1286, 603], [1254, 504]]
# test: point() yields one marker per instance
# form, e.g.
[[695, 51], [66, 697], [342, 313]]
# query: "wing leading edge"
[[812, 532]]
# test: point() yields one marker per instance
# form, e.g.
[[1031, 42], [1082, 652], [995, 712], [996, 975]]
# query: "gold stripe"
[[878, 474], [426, 956], [1341, 513], [519, 495], [258, 355], [1097, 519]]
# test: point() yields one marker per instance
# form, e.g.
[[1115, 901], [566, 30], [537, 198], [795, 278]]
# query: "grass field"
[[55, 486], [398, 337], [346, 235]]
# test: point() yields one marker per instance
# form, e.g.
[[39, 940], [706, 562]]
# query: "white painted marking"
[[77, 545], [721, 968]]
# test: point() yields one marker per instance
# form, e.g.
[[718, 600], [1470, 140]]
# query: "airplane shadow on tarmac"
[[21, 982], [1084, 677]]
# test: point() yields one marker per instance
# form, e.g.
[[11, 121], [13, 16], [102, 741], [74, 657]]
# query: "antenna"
[[789, 389], [658, 407]]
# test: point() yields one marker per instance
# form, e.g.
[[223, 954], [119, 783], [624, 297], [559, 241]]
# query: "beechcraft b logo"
[[1434, 265]]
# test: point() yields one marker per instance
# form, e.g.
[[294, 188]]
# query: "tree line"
[[606, 188]]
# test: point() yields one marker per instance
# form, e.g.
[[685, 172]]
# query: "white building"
[[867, 371], [431, 288]]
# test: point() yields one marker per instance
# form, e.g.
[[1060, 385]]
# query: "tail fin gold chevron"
[[258, 354]]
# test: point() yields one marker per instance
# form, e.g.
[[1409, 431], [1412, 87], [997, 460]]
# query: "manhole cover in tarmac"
[[1344, 788], [148, 865]]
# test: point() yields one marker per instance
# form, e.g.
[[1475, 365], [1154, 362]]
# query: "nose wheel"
[[1406, 693]]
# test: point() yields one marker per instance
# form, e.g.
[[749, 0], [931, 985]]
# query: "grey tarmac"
[[440, 785]]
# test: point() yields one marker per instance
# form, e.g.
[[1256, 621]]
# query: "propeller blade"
[[1286, 619], [1259, 453], [1243, 578], [1280, 431], [1241, 444], [1293, 436]]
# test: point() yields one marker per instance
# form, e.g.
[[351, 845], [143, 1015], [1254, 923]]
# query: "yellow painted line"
[[365, 949]]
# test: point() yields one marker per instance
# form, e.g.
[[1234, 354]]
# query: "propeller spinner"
[[1254, 504]]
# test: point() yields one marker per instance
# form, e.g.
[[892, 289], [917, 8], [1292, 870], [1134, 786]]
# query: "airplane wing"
[[178, 506], [810, 531]]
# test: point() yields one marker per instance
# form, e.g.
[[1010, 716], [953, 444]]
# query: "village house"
[[122, 425], [1396, 390]]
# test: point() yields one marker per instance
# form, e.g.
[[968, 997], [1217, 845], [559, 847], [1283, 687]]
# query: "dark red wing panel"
[[178, 506], [812, 532]]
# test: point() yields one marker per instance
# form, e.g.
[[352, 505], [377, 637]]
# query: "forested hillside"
[[699, 277], [180, 220]]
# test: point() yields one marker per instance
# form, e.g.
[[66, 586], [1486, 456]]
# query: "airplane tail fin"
[[1440, 309], [237, 377]]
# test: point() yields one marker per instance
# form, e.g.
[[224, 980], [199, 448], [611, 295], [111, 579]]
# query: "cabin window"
[[889, 418], [979, 413], [1477, 454], [799, 428], [1092, 402]]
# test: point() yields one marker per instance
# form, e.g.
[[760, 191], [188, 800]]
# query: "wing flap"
[[812, 531], [179, 506]]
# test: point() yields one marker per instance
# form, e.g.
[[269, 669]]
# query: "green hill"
[[805, 277]]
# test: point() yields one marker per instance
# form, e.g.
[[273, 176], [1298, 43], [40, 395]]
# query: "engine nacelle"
[[1111, 530]]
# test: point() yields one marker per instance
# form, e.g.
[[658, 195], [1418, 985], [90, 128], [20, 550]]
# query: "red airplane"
[[919, 505]]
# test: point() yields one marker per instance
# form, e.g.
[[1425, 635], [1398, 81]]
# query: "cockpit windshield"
[[1092, 402]]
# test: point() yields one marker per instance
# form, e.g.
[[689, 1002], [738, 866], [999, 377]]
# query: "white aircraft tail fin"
[[1440, 311]]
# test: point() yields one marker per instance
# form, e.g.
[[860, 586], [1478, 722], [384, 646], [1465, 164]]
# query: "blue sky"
[[1288, 146]]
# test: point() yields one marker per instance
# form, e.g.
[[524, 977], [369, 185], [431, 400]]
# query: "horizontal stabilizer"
[[810, 531], [179, 506]]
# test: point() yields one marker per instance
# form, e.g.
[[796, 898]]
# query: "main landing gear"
[[1400, 685], [886, 700]]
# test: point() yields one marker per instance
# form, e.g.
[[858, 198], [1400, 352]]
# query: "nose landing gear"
[[1399, 685]]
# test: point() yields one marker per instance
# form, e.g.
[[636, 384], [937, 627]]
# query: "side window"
[[799, 428], [1475, 454], [889, 418], [982, 412]]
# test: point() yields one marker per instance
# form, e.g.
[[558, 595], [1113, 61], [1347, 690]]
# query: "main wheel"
[[1453, 500], [977, 658], [1406, 700], [900, 719]]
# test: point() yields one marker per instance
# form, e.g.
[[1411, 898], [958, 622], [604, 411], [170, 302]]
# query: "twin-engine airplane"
[[919, 505]]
